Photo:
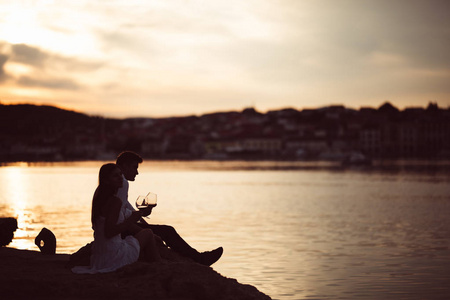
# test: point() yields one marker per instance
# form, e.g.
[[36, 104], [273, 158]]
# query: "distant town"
[[334, 133]]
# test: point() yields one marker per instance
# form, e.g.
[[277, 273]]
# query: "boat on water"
[[357, 159]]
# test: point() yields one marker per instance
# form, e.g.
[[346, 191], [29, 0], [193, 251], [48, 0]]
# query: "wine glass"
[[140, 202], [151, 199]]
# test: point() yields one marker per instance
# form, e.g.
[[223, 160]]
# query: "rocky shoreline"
[[28, 274]]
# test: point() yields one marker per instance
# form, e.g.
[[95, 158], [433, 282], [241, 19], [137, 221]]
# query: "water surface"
[[294, 230]]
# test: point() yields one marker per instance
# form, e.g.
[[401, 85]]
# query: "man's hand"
[[135, 216]]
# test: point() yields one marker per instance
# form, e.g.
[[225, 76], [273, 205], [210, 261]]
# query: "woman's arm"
[[112, 215]]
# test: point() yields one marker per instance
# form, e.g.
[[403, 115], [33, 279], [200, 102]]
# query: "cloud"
[[43, 69], [331, 42], [28, 55], [50, 83], [3, 59], [36, 57]]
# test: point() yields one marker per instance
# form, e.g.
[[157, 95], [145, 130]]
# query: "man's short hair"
[[128, 157]]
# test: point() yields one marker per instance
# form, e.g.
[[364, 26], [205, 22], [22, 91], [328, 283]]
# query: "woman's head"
[[110, 175], [109, 181]]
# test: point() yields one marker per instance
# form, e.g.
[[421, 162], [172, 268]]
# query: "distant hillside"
[[30, 132], [46, 133], [26, 119]]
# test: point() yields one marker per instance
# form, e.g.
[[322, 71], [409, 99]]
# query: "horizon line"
[[225, 111]]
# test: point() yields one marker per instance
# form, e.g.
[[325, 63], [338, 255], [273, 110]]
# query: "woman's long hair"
[[104, 190]]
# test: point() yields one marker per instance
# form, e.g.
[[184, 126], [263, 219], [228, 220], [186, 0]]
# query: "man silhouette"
[[128, 162]]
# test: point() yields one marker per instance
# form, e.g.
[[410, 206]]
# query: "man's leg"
[[173, 240]]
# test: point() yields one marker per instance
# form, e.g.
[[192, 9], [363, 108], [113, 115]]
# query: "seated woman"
[[110, 252]]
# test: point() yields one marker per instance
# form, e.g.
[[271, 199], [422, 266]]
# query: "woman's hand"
[[146, 211]]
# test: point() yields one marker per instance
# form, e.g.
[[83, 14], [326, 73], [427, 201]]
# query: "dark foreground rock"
[[30, 275], [7, 228]]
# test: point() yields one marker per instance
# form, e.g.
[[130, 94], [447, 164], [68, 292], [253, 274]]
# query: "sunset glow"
[[166, 58]]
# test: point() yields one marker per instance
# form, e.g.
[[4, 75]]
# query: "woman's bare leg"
[[149, 250]]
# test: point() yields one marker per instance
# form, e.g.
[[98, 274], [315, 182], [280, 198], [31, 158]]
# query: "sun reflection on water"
[[54, 197], [15, 186]]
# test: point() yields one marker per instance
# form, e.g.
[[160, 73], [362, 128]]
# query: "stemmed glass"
[[151, 199], [143, 202]]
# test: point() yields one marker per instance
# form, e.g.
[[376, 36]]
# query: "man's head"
[[128, 162]]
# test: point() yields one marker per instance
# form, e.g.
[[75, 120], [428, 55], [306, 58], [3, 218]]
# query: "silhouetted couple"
[[121, 235]]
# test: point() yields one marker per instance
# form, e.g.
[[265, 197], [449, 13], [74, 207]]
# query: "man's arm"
[[128, 209], [122, 193]]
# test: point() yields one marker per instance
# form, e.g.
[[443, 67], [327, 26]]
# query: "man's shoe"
[[209, 257]]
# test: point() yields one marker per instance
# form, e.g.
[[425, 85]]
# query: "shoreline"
[[263, 164]]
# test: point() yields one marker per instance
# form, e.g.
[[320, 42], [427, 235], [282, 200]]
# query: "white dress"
[[110, 254]]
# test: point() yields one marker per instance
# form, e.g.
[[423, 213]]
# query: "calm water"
[[293, 230]]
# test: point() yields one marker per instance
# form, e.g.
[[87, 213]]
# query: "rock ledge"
[[30, 274]]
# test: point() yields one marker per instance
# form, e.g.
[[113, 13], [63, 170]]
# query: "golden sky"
[[154, 58]]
